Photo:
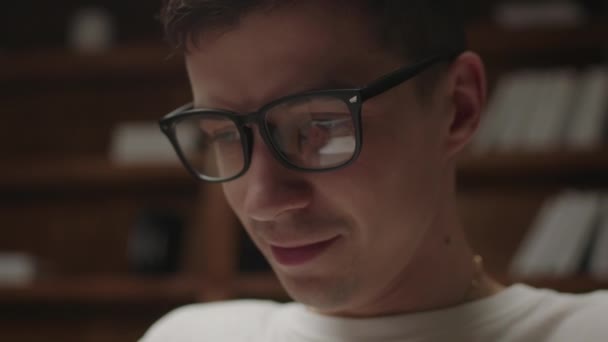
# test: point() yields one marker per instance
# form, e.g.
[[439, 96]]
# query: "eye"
[[331, 124], [326, 124], [228, 136]]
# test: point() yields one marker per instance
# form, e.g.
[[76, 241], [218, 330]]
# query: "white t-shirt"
[[518, 313]]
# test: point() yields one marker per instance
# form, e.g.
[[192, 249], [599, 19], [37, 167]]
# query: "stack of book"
[[534, 110], [569, 236]]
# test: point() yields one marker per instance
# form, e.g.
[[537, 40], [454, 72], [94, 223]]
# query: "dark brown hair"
[[413, 28]]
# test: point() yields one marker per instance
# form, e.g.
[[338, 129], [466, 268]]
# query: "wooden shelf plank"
[[91, 173], [105, 290], [492, 40], [155, 58], [152, 60], [525, 168]]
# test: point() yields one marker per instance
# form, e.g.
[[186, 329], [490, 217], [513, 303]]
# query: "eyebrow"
[[333, 84], [326, 85]]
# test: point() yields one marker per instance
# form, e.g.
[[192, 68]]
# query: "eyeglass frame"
[[352, 97]]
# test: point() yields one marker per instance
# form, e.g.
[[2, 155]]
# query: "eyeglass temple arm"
[[399, 76], [175, 112]]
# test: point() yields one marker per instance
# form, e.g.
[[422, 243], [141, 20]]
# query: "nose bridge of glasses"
[[251, 118], [257, 118], [247, 121]]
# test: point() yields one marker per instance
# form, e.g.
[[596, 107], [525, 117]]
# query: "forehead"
[[300, 47]]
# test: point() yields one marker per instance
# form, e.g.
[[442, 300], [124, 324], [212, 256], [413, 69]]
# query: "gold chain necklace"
[[474, 289]]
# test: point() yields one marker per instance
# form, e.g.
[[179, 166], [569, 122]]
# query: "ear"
[[467, 91]]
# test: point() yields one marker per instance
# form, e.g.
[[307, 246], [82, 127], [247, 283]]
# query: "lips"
[[293, 256]]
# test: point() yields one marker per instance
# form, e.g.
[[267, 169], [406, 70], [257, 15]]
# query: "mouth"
[[294, 256]]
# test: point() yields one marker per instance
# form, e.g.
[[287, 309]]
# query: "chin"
[[322, 293]]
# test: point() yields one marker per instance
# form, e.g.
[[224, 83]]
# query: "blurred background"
[[102, 231]]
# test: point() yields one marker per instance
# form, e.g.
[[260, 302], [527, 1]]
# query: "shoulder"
[[212, 321]]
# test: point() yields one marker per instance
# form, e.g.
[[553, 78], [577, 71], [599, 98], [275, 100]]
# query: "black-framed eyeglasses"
[[314, 131]]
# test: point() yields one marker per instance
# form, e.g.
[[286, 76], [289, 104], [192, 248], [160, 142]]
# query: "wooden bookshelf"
[[105, 290], [508, 171], [142, 61], [58, 185], [577, 167], [521, 168], [92, 172], [156, 58], [494, 41]]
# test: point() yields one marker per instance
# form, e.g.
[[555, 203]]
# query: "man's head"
[[354, 240]]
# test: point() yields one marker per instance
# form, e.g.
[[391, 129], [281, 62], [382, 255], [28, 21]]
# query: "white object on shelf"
[[16, 269], [140, 142], [91, 30]]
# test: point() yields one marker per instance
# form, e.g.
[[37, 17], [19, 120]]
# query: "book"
[[588, 116], [495, 114], [551, 110], [517, 110], [557, 239], [140, 142], [598, 265], [528, 260], [534, 110]]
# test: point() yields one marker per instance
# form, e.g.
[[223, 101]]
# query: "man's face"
[[339, 240]]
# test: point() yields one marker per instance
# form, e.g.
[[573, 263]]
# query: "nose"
[[272, 189]]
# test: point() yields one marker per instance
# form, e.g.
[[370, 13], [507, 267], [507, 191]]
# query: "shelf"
[[124, 290], [106, 290], [39, 176], [146, 61], [524, 168], [492, 40], [585, 168]]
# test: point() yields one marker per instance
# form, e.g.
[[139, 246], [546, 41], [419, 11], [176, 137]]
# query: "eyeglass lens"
[[312, 133]]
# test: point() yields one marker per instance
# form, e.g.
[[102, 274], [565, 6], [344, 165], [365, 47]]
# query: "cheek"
[[234, 192], [390, 186]]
